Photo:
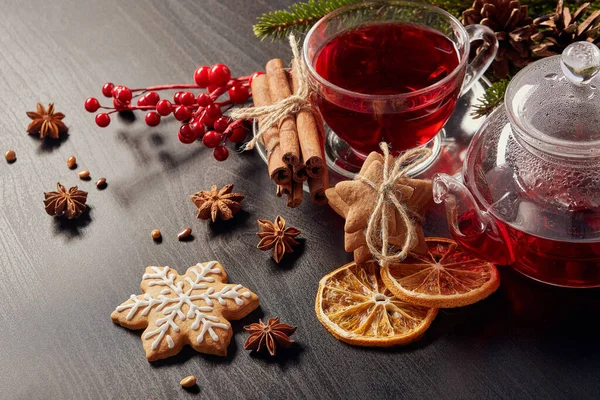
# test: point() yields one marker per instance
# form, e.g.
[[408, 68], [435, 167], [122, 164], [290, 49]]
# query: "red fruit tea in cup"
[[403, 67]]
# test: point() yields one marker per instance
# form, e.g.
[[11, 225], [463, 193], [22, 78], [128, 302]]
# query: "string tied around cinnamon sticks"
[[387, 201], [292, 105]]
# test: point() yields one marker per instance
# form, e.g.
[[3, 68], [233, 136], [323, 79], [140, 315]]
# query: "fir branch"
[[493, 97], [300, 17]]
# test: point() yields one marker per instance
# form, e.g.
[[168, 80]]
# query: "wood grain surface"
[[60, 281]]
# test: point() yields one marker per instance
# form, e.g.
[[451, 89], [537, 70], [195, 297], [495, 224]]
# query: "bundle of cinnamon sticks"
[[295, 147]]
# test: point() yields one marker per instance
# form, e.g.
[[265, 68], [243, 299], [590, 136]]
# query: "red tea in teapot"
[[563, 263], [389, 59]]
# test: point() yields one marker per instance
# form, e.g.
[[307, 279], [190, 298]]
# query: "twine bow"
[[386, 198], [277, 111]]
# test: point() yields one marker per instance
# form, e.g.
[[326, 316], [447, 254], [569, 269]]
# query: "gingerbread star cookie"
[[175, 310], [355, 200]]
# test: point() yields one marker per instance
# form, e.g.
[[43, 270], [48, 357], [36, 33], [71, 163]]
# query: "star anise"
[[68, 203], [217, 203], [269, 335], [276, 236], [46, 122]]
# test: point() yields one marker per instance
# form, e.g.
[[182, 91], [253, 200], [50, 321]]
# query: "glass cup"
[[358, 119]]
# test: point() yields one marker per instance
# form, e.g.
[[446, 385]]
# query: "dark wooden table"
[[60, 281]]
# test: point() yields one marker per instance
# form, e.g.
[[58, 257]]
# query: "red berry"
[[187, 133], [186, 98], [238, 134], [184, 140], [203, 100], [92, 105], [182, 113], [239, 94], [185, 137], [254, 75], [118, 105], [220, 153], [141, 101], [102, 120], [207, 119], [211, 139], [177, 97], [123, 94], [164, 107], [221, 124], [201, 76], [213, 111], [219, 74], [197, 128], [152, 118], [115, 89], [107, 89], [152, 98], [212, 88]]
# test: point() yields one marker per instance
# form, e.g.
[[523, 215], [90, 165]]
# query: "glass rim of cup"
[[463, 59]]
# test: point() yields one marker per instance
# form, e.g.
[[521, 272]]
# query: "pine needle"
[[300, 17], [493, 97]]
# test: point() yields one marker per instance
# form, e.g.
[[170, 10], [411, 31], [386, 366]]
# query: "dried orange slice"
[[446, 277], [356, 307]]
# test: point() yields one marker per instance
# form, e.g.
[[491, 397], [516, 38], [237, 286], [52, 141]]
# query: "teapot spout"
[[472, 228]]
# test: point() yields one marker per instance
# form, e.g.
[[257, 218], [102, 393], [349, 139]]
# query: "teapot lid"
[[553, 104]]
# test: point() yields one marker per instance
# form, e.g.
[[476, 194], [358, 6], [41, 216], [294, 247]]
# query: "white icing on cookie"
[[170, 342], [171, 307]]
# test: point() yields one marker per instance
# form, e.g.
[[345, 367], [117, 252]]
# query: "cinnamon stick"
[[278, 170], [279, 87], [317, 187], [299, 173], [309, 137], [284, 189], [295, 198]]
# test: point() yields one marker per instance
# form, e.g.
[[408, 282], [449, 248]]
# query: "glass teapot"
[[531, 191]]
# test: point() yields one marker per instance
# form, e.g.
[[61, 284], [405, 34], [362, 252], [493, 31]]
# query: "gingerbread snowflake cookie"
[[193, 309]]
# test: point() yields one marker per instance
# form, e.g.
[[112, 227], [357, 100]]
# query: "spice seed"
[[188, 381], [71, 162], [85, 174], [101, 183], [10, 156], [184, 234], [155, 234]]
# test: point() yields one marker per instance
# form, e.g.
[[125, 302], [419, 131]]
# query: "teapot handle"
[[485, 56], [472, 228]]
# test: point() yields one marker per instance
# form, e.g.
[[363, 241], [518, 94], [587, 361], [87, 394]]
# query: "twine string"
[[377, 233], [274, 113]]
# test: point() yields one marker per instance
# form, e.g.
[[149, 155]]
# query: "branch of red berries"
[[201, 114]]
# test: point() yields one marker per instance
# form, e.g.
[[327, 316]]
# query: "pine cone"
[[513, 26], [559, 29]]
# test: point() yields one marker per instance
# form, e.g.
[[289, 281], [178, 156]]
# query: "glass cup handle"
[[485, 56]]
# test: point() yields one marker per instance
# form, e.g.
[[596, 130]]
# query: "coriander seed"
[[184, 234], [10, 156], [155, 234], [71, 162], [188, 381], [85, 174], [101, 183]]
